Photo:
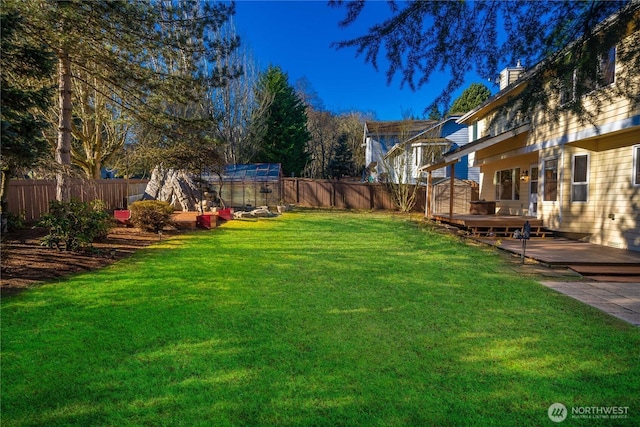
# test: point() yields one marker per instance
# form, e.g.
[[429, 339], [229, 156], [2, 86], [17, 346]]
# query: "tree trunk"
[[4, 191], [63, 149]]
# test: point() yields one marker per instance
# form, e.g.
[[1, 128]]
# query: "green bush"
[[11, 221], [150, 215], [75, 224]]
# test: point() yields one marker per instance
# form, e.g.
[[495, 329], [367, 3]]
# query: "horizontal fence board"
[[30, 198], [324, 193]]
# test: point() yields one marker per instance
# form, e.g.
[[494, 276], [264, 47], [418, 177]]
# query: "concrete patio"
[[618, 299]]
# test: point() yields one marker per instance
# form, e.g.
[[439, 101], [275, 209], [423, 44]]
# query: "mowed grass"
[[312, 318]]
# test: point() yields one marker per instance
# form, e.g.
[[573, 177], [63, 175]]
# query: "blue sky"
[[297, 37]]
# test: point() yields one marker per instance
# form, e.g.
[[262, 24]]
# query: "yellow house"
[[580, 176]]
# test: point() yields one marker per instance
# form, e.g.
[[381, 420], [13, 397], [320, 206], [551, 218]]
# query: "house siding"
[[610, 215], [616, 220]]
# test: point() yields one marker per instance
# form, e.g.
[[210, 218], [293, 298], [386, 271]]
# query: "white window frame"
[[568, 84], [515, 184], [573, 176], [635, 179], [568, 94], [601, 75]]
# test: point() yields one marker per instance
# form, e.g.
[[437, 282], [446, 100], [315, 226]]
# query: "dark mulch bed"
[[25, 262]]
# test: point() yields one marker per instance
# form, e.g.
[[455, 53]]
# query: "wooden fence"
[[341, 194], [463, 193], [358, 195], [29, 198]]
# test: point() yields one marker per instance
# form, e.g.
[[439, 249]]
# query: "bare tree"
[[99, 130], [237, 108], [403, 180]]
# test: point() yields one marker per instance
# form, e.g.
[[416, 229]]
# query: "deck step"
[[506, 231], [607, 270]]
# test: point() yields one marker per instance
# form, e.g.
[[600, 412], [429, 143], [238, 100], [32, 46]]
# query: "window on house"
[[550, 180], [580, 178], [636, 165], [607, 70], [508, 184], [605, 73], [568, 88]]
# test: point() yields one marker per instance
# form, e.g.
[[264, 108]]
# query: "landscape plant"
[[75, 224], [311, 318], [150, 215]]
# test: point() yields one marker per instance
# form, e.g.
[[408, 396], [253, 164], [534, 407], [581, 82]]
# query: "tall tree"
[[323, 131], [24, 92], [421, 38], [284, 136], [133, 49], [342, 163], [472, 96], [99, 127], [237, 107]]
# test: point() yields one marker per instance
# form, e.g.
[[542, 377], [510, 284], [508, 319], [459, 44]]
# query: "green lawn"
[[312, 318]]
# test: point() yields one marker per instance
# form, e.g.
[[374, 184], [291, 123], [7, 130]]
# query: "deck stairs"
[[497, 230]]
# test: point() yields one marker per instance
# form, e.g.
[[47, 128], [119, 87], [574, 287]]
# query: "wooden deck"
[[567, 252], [493, 225]]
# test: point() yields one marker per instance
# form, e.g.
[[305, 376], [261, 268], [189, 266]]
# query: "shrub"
[[75, 224], [11, 221], [150, 215]]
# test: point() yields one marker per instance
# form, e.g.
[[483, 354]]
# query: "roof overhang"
[[472, 147], [435, 166]]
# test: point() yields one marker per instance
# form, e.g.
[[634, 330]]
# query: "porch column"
[[451, 189]]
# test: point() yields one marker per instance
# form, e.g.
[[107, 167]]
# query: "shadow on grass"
[[309, 320]]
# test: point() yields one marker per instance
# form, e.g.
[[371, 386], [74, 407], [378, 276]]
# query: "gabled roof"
[[397, 127], [431, 135]]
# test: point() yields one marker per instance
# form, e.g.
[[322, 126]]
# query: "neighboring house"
[[581, 178], [380, 137], [398, 149]]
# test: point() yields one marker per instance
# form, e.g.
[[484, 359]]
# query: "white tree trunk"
[[63, 149]]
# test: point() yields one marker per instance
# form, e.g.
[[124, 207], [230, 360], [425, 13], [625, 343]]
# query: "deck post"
[[429, 190], [451, 190]]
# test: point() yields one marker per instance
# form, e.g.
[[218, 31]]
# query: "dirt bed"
[[25, 262]]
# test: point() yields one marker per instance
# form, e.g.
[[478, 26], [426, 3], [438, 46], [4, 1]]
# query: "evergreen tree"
[[24, 92], [342, 162], [434, 113], [284, 134], [473, 96]]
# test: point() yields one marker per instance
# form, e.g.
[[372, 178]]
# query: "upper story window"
[[606, 71], [603, 76]]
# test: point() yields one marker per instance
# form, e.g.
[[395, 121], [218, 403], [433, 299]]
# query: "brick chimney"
[[510, 75]]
